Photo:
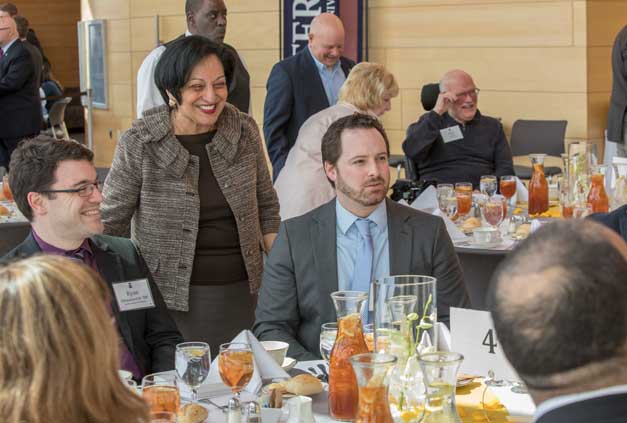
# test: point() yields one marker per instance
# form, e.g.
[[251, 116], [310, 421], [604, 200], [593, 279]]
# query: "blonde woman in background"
[[302, 184], [58, 347]]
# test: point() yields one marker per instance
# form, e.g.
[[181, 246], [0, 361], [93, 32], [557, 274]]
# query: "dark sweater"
[[218, 258], [483, 150]]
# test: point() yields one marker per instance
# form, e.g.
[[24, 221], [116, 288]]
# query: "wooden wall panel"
[[514, 24], [540, 59], [54, 23]]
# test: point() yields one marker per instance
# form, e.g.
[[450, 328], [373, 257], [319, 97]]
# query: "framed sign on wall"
[[296, 17], [93, 60]]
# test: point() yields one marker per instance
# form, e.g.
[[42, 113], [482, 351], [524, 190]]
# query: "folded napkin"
[[266, 368], [451, 228], [522, 193], [427, 200]]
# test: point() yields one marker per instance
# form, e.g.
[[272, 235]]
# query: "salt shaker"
[[234, 411], [253, 412]]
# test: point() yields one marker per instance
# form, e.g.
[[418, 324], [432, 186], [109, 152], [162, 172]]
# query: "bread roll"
[[304, 384], [192, 413], [470, 224], [3, 211]]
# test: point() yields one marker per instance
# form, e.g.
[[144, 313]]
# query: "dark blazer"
[[301, 272], [149, 334], [606, 409], [294, 92], [20, 106], [618, 101], [616, 220], [37, 60]]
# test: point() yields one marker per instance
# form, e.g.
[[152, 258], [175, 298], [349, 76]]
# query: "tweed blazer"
[[153, 184]]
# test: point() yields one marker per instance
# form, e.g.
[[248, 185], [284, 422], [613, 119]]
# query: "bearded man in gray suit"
[[357, 237]]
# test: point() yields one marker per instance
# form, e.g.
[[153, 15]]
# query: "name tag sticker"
[[452, 133], [133, 295]]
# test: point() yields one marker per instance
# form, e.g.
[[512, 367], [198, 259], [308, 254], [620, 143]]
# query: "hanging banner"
[[298, 14]]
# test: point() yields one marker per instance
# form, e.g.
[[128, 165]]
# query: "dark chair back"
[[538, 136], [429, 95]]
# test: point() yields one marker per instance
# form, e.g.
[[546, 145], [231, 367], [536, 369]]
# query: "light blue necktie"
[[362, 274]]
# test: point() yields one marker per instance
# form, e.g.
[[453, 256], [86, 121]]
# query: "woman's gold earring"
[[172, 103]]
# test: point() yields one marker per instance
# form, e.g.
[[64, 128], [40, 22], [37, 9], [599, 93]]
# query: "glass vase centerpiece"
[[343, 389], [440, 375], [405, 316]]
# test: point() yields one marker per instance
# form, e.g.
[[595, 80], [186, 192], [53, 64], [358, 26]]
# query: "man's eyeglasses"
[[472, 93], [84, 191]]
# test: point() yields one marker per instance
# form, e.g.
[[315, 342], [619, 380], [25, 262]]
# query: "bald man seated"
[[303, 85], [454, 142], [559, 305]]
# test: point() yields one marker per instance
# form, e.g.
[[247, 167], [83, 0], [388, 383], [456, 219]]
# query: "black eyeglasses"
[[84, 191]]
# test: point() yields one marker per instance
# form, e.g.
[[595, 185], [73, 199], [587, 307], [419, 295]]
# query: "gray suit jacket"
[[301, 272], [618, 101]]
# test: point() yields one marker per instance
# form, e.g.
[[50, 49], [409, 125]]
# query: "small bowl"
[[485, 235], [276, 349]]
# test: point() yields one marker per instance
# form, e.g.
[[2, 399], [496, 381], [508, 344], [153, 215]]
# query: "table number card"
[[473, 335]]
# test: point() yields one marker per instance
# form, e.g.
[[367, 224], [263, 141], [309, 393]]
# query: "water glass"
[[444, 192], [192, 362], [328, 333], [487, 185]]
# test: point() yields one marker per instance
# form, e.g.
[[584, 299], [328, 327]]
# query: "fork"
[[221, 407]]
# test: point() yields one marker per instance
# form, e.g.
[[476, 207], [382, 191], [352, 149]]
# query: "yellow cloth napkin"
[[471, 409], [553, 211]]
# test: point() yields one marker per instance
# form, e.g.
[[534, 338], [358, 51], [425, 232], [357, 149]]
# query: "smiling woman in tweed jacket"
[[192, 179]]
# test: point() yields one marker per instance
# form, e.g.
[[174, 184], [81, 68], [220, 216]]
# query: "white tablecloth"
[[519, 406]]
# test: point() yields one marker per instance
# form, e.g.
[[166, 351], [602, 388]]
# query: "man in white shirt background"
[[206, 18]]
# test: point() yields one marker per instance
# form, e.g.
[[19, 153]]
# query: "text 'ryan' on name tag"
[[452, 133], [473, 336], [133, 295]]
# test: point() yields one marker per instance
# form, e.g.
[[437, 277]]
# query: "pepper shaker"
[[253, 412]]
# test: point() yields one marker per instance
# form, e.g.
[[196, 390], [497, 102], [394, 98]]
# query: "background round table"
[[478, 265]]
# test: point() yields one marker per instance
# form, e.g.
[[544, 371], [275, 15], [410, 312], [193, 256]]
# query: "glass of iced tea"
[[6, 190], [494, 210], [463, 191], [236, 365], [507, 186], [161, 392]]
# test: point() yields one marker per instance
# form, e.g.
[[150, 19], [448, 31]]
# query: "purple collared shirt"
[[86, 255]]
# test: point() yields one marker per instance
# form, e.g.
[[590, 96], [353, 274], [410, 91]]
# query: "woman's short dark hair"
[[179, 59], [34, 162]]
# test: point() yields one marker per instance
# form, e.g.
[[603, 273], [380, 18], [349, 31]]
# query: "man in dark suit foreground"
[[324, 250], [559, 308], [20, 106], [55, 186], [302, 85]]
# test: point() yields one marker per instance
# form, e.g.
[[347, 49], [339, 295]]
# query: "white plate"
[[288, 363]]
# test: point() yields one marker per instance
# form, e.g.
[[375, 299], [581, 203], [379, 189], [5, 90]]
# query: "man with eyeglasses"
[[55, 186], [454, 142]]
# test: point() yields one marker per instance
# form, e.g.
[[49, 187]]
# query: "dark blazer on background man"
[[294, 92], [149, 334], [20, 106], [301, 272], [615, 220], [604, 409], [618, 101]]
